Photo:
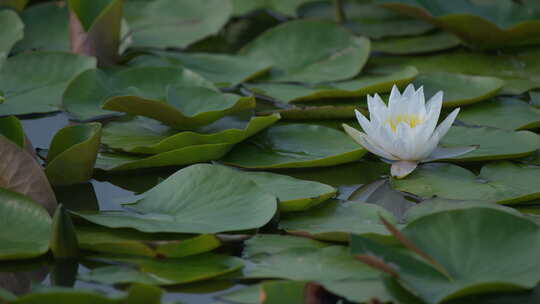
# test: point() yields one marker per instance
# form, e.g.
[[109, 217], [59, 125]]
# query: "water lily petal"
[[362, 139], [449, 152], [401, 169], [378, 112], [432, 117], [439, 133], [364, 123]]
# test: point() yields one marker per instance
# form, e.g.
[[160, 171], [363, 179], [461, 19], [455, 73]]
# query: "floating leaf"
[[502, 113], [20, 172], [486, 25], [34, 82], [12, 129], [272, 244], [459, 89], [172, 23], [163, 271], [375, 81], [310, 51], [295, 146], [493, 143], [132, 242], [25, 227], [11, 31], [142, 135], [178, 157], [90, 90], [223, 70], [63, 241], [185, 107], [73, 153], [198, 199], [336, 220], [502, 182], [15, 4], [438, 41], [286, 7]]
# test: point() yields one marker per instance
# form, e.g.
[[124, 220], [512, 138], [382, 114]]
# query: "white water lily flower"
[[405, 132]]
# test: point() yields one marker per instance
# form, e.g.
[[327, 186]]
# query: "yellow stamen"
[[411, 119]]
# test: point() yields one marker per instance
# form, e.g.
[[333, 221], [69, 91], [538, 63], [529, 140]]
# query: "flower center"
[[411, 119]]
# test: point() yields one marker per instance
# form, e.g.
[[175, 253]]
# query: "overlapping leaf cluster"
[[223, 117]]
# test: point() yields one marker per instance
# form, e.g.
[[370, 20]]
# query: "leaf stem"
[[340, 12]]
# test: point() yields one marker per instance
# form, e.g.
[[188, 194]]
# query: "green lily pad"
[[14, 4], [519, 70], [286, 7], [336, 220], [502, 113], [373, 82], [493, 143], [493, 263], [501, 182], [143, 135], [34, 82], [73, 153], [295, 146], [163, 271], [132, 242], [198, 199], [273, 243], [310, 51], [482, 24], [367, 19], [221, 69], [438, 41], [171, 23], [11, 31], [186, 107], [25, 227], [459, 89], [293, 194], [331, 263], [12, 129], [87, 93], [179, 157]]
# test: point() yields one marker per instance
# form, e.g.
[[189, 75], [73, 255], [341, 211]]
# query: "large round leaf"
[[493, 143], [73, 153], [286, 7], [143, 135], [198, 199], [25, 227], [434, 42], [459, 89], [295, 146], [11, 31], [503, 113], [173, 23], [90, 90], [310, 51], [275, 243], [374, 81], [336, 220], [483, 24], [502, 182], [34, 82]]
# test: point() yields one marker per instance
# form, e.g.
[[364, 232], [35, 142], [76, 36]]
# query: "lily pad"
[[502, 113], [179, 157], [172, 23], [221, 69], [482, 24], [295, 146], [198, 199], [293, 194], [286, 7], [132, 242], [86, 94], [73, 153], [273, 243], [493, 143], [12, 129], [11, 31], [336, 220], [493, 264], [438, 41], [501, 182], [34, 82], [163, 271], [459, 89], [310, 51], [186, 107], [25, 227], [143, 135], [373, 82]]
